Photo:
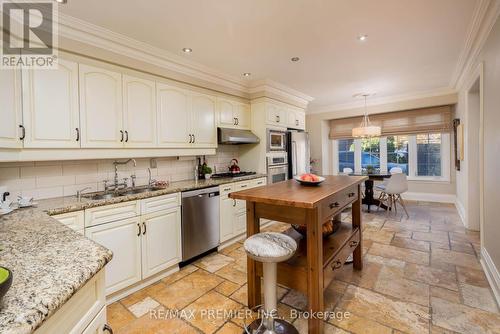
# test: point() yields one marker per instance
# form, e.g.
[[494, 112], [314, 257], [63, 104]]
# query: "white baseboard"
[[429, 197], [491, 273], [461, 211]]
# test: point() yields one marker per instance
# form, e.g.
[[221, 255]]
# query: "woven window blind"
[[425, 120]]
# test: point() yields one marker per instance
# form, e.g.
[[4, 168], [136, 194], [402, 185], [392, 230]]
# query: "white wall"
[[50, 179], [321, 146]]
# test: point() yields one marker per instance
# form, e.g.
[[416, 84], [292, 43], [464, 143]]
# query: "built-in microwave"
[[276, 140]]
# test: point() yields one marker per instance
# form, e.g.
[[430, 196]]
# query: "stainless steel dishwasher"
[[200, 221]]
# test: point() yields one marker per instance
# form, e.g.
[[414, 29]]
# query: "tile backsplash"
[[48, 179]]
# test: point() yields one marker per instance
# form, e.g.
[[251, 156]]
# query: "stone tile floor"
[[421, 275]]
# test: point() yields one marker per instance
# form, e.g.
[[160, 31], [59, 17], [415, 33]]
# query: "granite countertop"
[[51, 262]]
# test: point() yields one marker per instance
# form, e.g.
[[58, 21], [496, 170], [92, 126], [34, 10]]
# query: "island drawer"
[[110, 213], [159, 203], [332, 268], [337, 202]]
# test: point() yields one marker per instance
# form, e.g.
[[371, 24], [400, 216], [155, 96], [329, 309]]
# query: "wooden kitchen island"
[[317, 259]]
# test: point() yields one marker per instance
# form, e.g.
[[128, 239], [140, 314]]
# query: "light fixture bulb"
[[363, 38], [295, 59], [247, 74], [187, 50]]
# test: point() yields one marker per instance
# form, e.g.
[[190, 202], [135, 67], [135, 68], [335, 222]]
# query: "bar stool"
[[270, 248]]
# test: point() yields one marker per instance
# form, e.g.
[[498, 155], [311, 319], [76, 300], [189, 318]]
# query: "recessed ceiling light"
[[61, 1], [295, 59], [247, 74], [363, 38], [187, 50]]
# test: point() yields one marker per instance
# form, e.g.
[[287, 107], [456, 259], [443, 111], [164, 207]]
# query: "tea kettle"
[[234, 168]]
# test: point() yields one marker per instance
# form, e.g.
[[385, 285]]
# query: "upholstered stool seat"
[[270, 248]]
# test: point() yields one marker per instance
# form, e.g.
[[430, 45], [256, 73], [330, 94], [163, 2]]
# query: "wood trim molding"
[[484, 17], [491, 272]]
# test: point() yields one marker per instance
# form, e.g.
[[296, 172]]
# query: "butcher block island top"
[[318, 258]]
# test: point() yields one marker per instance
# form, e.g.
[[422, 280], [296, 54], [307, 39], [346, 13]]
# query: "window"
[[397, 153], [346, 154], [370, 153], [429, 154], [421, 157]]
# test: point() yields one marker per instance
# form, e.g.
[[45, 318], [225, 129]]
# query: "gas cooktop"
[[229, 174]]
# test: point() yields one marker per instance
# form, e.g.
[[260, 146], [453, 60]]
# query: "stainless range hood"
[[236, 136]]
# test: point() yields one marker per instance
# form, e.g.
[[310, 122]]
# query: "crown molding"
[[445, 91], [99, 37], [484, 17]]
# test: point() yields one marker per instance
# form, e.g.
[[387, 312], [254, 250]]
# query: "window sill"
[[428, 179]]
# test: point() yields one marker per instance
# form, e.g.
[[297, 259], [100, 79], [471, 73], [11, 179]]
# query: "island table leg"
[[253, 227], [314, 270], [356, 222]]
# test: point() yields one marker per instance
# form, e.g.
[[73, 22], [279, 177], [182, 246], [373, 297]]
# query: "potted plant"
[[370, 169], [206, 171]]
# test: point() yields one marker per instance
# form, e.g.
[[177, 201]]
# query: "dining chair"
[[347, 171], [391, 193], [396, 170]]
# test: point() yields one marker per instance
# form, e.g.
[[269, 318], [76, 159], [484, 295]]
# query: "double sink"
[[119, 193]]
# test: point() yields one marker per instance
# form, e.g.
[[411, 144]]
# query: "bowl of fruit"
[[309, 179]]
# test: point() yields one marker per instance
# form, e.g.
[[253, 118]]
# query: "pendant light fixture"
[[366, 129]]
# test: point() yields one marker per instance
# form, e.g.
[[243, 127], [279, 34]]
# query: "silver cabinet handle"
[[122, 134], [138, 230], [237, 121], [126, 136], [194, 139], [144, 225], [234, 202], [234, 121], [190, 138], [23, 129], [108, 329], [77, 134]]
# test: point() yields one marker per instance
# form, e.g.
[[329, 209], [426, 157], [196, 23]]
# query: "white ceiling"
[[413, 45]]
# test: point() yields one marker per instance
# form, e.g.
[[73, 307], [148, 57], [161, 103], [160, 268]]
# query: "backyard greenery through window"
[[421, 156]]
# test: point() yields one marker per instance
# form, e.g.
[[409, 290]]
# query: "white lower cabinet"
[[233, 216], [123, 238], [74, 220], [98, 325], [143, 245], [161, 241]]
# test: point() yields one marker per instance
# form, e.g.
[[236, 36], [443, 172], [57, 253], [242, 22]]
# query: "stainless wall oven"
[[277, 167], [276, 140]]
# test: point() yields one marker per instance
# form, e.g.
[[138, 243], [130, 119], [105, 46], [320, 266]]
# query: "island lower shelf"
[[336, 249]]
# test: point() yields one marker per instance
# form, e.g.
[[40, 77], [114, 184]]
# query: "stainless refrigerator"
[[298, 153]]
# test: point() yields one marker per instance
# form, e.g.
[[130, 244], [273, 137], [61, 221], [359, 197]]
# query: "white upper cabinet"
[[296, 118], [139, 112], [10, 109], [203, 129], [50, 107], [233, 114], [101, 113], [173, 116], [276, 114], [242, 115]]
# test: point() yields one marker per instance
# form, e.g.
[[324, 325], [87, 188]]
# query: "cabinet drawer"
[[335, 203], [337, 262], [74, 220], [155, 204], [110, 213], [226, 189], [259, 182], [241, 185]]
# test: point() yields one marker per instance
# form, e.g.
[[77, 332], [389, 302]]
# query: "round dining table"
[[369, 200]]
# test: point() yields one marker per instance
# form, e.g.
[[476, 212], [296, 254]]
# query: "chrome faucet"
[[79, 193], [116, 163]]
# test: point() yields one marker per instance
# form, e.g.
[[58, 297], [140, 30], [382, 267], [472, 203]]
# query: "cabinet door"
[[272, 113], [98, 323], [10, 109], [242, 115], [226, 113], [161, 241], [203, 120], [101, 107], [173, 116], [139, 112], [240, 223], [301, 117], [74, 220], [123, 238], [291, 119], [50, 107], [227, 214]]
